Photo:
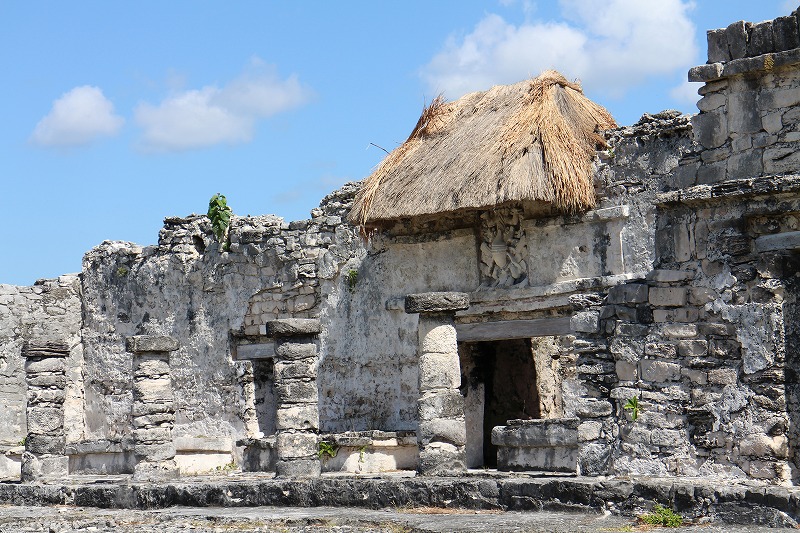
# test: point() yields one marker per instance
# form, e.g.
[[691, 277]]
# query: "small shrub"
[[327, 448], [662, 516], [220, 215], [633, 406]]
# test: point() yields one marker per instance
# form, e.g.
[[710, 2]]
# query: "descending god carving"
[[503, 249]]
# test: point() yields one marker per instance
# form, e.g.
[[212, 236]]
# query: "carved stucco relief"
[[503, 249]]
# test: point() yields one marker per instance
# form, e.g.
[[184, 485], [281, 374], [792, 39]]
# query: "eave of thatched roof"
[[531, 141]]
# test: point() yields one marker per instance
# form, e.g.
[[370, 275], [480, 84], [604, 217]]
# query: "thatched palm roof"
[[534, 140]]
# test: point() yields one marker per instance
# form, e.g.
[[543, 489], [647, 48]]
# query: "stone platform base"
[[156, 471], [11, 462], [193, 455], [692, 497], [36, 467], [548, 445], [370, 452]]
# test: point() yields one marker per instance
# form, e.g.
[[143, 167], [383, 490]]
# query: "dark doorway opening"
[[499, 383]]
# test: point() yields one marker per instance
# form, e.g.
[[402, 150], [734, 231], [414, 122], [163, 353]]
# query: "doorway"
[[499, 383]]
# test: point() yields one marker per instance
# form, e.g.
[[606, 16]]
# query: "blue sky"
[[117, 115]]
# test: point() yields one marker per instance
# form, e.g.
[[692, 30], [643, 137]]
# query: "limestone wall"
[[368, 371], [704, 345], [187, 288], [706, 339], [50, 310], [747, 126]]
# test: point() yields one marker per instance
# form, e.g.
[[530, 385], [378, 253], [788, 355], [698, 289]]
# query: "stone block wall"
[[187, 288], [748, 121], [49, 310], [369, 350], [701, 341]]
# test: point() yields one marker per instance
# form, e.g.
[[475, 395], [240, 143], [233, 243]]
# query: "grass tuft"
[[662, 516]]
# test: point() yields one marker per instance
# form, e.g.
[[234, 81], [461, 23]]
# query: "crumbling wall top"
[[746, 47]]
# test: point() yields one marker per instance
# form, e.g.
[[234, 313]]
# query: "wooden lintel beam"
[[261, 350], [512, 329]]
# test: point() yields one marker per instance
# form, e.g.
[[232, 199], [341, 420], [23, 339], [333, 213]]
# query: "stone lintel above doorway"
[[436, 302]]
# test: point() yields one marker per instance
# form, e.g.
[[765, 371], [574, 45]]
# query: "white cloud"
[[215, 115], [191, 120], [609, 45], [686, 95], [79, 117]]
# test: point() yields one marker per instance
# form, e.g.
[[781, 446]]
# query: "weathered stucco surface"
[[368, 369], [187, 288], [48, 310]]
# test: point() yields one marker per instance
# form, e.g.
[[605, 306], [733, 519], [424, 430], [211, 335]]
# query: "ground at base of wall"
[[25, 519], [700, 501]]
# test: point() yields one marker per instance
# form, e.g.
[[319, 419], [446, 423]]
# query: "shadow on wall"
[[791, 309]]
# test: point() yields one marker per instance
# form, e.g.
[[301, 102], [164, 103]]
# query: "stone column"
[[441, 434], [153, 411], [45, 441], [297, 424]]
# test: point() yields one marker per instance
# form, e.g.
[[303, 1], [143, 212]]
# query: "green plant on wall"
[[633, 406], [220, 215], [226, 468], [325, 448], [352, 279]]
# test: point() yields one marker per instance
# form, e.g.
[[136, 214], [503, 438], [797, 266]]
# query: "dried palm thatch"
[[534, 140]]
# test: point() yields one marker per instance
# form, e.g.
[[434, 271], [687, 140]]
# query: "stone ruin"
[[507, 337]]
